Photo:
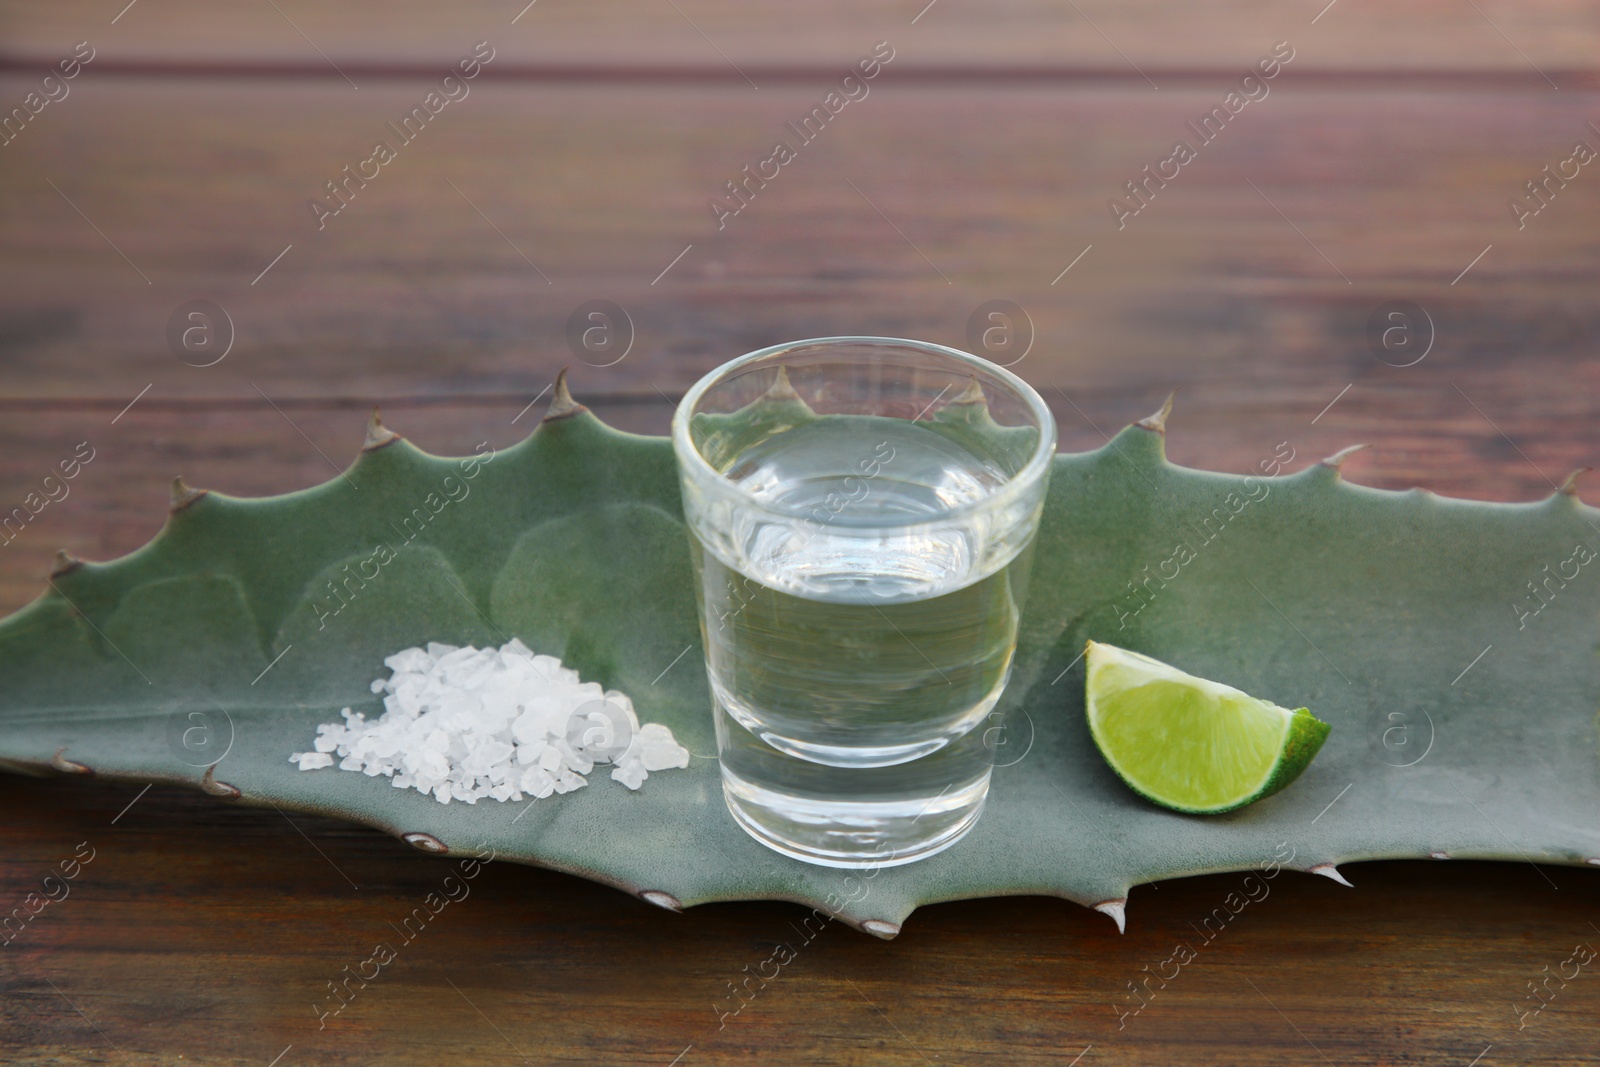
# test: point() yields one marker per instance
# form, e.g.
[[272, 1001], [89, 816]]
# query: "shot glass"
[[861, 514]]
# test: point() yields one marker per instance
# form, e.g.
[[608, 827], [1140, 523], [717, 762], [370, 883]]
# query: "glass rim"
[[1032, 471]]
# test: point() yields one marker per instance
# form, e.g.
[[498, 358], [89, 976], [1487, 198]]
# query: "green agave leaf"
[[245, 623]]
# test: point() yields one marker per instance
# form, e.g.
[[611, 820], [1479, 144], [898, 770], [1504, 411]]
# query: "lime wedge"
[[1190, 744]]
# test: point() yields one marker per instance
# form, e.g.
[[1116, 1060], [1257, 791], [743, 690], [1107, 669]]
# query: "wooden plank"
[[1145, 35], [208, 931], [430, 280]]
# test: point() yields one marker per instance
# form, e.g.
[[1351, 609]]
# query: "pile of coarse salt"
[[468, 723]]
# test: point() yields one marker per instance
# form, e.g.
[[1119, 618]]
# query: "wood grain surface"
[[1380, 167], [1143, 34]]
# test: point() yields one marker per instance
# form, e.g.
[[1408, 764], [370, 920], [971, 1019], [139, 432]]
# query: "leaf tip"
[[1336, 461], [882, 928], [1118, 909], [661, 899], [209, 783], [425, 842], [562, 406], [1569, 487], [183, 495], [60, 762], [378, 435], [64, 563], [782, 388], [1157, 423], [1328, 870], [972, 394]]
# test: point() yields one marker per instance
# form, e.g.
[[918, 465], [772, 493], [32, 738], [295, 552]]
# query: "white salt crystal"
[[409, 661], [537, 780], [657, 750], [658, 757], [433, 764], [620, 699], [575, 760], [463, 723], [485, 753], [630, 773], [653, 732], [529, 728]]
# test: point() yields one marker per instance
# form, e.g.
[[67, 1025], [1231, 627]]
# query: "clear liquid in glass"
[[852, 651]]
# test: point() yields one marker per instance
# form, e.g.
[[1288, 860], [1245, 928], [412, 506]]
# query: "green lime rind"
[[1306, 735], [1190, 744]]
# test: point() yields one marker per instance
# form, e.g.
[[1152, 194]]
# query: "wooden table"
[[1379, 167]]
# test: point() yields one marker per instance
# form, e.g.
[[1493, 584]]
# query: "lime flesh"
[[1190, 744]]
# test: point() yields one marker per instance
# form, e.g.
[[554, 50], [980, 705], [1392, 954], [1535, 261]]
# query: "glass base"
[[855, 834]]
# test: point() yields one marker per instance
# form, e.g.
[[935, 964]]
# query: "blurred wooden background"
[[179, 165]]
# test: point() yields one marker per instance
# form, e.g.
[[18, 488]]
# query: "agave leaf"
[[245, 623]]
